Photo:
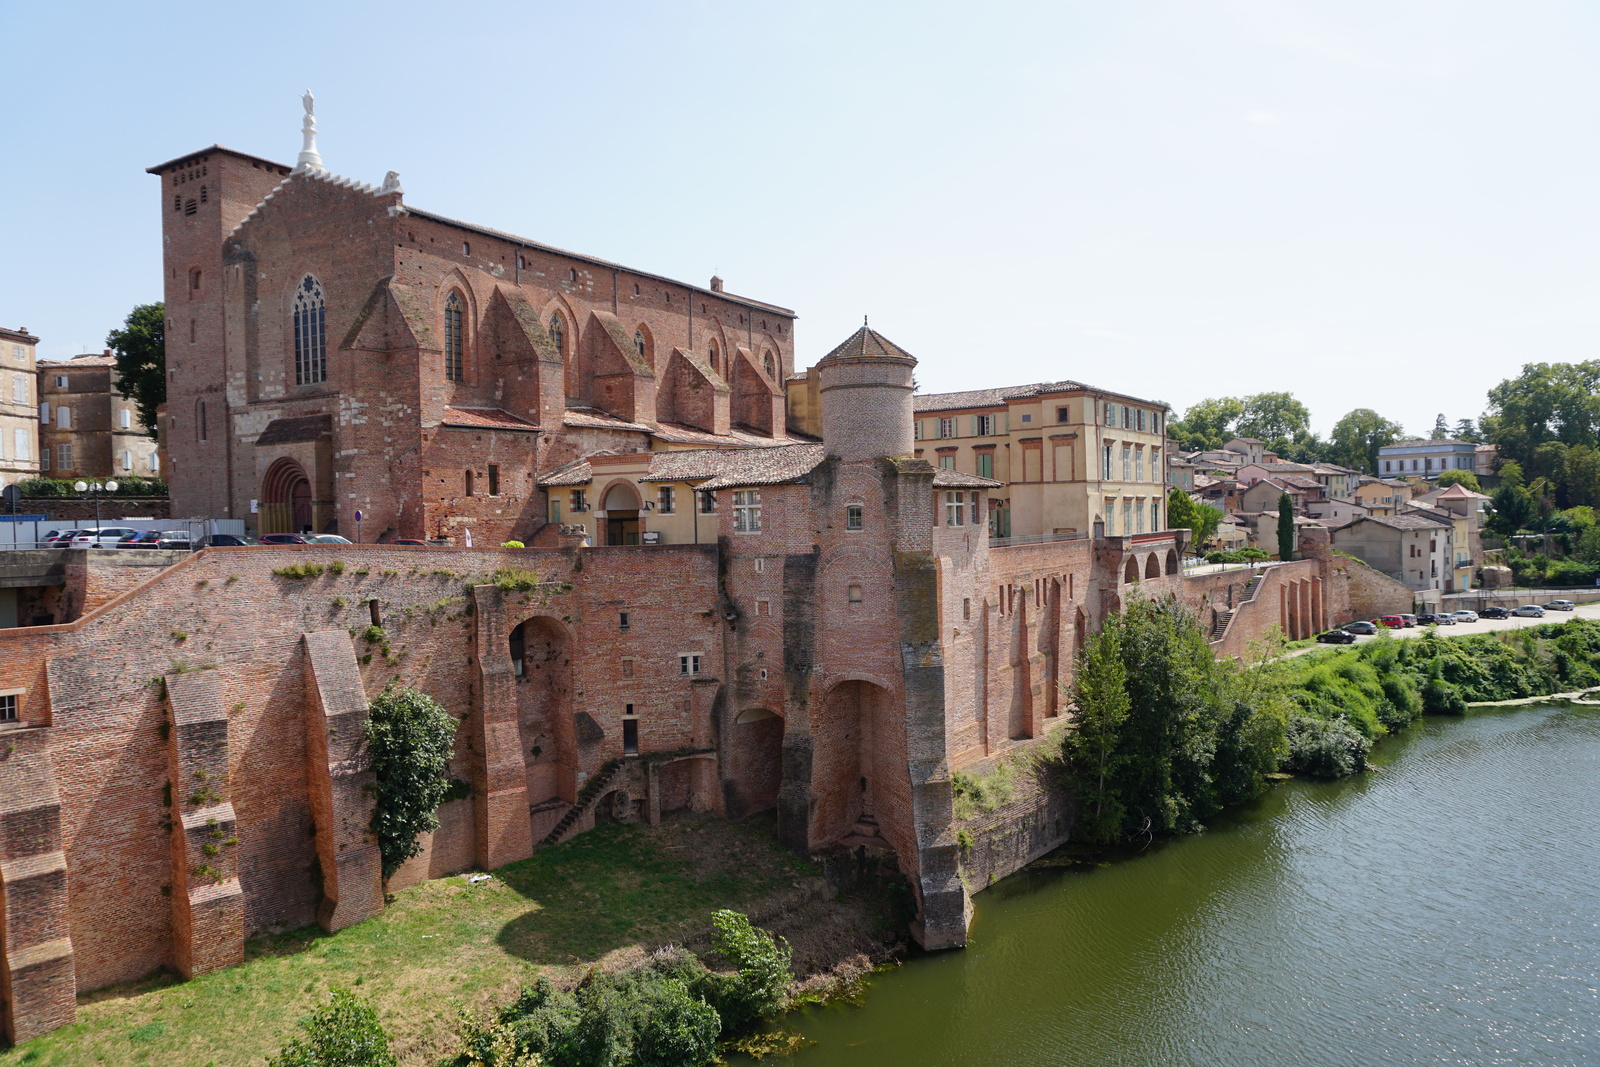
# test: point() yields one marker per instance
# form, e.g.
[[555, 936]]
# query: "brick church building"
[[331, 349]]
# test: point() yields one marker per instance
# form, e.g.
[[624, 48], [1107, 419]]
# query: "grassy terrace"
[[439, 947]]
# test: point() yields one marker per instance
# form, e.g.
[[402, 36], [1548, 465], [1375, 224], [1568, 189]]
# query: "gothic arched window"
[[558, 333], [767, 364], [638, 341], [310, 333], [714, 358], [454, 339]]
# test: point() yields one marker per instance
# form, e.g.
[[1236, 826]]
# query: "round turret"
[[864, 390]]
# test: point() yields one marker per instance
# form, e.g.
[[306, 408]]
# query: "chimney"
[[108, 351]]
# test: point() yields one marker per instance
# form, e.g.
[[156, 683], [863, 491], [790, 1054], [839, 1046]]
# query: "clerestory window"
[[454, 338]]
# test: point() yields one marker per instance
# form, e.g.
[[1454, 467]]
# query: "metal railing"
[[1037, 539]]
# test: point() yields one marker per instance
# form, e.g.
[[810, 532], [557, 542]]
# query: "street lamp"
[[95, 489]]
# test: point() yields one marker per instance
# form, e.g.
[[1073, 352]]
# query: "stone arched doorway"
[[757, 757], [621, 505], [541, 661], [286, 500], [856, 752]]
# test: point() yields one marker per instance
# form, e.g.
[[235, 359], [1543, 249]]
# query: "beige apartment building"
[[86, 428], [1074, 459], [19, 415]]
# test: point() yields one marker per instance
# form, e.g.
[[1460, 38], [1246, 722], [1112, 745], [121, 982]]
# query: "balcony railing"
[[1037, 539]]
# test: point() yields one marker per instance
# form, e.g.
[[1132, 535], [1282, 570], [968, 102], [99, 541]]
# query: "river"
[[1443, 909]]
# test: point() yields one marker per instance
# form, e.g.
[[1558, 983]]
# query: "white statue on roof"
[[309, 158]]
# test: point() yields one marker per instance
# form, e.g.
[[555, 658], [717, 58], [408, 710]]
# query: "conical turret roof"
[[868, 342]]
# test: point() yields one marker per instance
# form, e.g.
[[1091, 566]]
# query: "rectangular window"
[[1155, 514], [125, 418], [664, 500], [630, 734], [708, 503], [627, 666], [1127, 464], [1155, 465], [155, 463], [469, 480], [64, 456], [947, 463], [1111, 414], [1138, 517], [577, 501], [1063, 414], [1138, 464], [688, 664], [916, 429], [1105, 462], [855, 594], [986, 464], [953, 511], [1127, 515], [622, 620], [1111, 516], [1142, 420], [852, 517], [127, 456], [764, 607], [983, 425], [21, 448], [973, 506], [61, 381], [44, 458], [18, 352], [494, 479], [1155, 422], [747, 511], [19, 389], [8, 707], [44, 413], [63, 418], [947, 427]]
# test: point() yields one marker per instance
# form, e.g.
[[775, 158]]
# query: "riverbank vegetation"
[[1167, 735]]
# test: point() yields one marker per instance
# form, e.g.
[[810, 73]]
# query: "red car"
[[412, 541], [1393, 622]]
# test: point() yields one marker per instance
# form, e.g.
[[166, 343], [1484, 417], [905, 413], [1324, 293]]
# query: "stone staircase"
[[593, 790], [1220, 627], [865, 832]]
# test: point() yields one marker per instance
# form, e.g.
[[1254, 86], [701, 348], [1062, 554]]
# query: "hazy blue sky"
[[1386, 204]]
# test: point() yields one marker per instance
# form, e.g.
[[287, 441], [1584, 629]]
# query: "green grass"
[[438, 947]]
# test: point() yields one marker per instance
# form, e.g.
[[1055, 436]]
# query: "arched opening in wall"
[[853, 762], [621, 505], [285, 498], [675, 781], [541, 662], [1152, 566], [757, 751], [1130, 573], [1172, 561]]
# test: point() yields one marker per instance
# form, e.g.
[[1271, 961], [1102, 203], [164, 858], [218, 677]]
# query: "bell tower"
[[864, 392]]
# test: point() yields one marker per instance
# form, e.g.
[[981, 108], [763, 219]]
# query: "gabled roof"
[[944, 478], [485, 419], [1406, 520]]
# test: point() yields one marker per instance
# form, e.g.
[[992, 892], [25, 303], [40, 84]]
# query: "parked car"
[[103, 537], [1360, 626], [1393, 622], [1409, 620], [1464, 615], [328, 539], [223, 540], [1528, 611], [411, 541], [1560, 605], [1494, 613], [1427, 619], [174, 540], [1444, 619], [286, 539], [1337, 637], [61, 539], [142, 539]]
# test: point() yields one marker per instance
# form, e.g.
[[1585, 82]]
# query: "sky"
[[1367, 204]]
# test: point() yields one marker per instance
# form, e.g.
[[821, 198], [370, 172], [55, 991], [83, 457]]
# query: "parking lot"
[[1583, 611]]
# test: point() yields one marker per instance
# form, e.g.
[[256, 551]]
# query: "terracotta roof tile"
[[486, 418]]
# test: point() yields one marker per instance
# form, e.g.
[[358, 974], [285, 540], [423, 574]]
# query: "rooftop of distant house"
[[993, 398]]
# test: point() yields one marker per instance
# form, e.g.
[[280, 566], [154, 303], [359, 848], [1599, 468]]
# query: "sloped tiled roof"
[[949, 479], [485, 418], [867, 342], [730, 468], [596, 420], [982, 398], [1406, 520], [76, 362]]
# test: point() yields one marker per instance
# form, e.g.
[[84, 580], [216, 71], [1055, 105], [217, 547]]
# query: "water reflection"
[[1439, 911]]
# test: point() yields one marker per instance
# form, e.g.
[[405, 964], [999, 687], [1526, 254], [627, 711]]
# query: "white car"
[[1464, 615], [1529, 611], [104, 537], [1560, 605]]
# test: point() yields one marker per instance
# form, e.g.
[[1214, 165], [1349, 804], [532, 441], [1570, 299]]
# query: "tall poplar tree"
[[1285, 527]]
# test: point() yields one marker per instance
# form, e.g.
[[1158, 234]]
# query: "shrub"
[[344, 1033], [974, 794], [1325, 748], [762, 979], [409, 741], [1237, 555], [512, 544]]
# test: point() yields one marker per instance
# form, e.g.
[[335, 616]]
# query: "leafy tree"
[[1183, 512], [1511, 474], [1269, 416], [1460, 477], [762, 982], [1208, 424], [1358, 436], [1441, 427], [1512, 509], [1101, 707], [344, 1033], [1583, 476], [1467, 430], [409, 742], [1303, 447], [1546, 402], [1285, 527], [141, 361]]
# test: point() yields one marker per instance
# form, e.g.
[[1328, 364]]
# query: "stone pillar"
[[340, 782], [499, 773], [207, 901], [37, 984]]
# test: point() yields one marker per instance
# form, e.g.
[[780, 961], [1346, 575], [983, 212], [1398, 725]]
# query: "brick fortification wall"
[[1373, 593], [1038, 819]]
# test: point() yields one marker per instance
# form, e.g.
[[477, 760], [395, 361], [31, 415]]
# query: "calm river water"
[[1443, 910]]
